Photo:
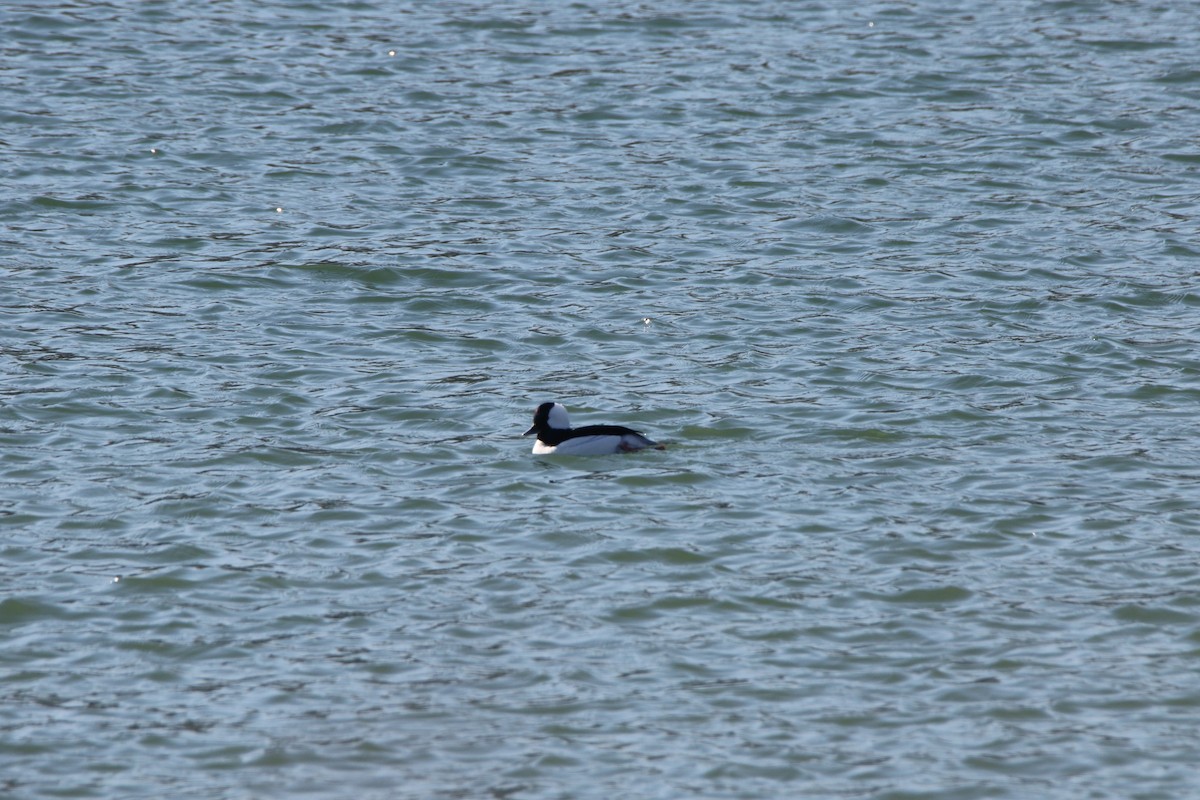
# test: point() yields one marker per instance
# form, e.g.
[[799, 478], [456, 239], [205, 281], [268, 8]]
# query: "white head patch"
[[557, 418]]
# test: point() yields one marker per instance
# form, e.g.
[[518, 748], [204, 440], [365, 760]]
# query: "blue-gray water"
[[910, 289]]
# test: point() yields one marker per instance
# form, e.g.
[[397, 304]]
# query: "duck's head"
[[549, 415]]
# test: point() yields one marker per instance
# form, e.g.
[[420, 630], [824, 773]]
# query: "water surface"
[[909, 290]]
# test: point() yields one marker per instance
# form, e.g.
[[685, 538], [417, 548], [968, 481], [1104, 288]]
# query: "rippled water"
[[910, 289]]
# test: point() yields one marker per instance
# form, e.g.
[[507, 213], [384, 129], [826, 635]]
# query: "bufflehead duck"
[[555, 435]]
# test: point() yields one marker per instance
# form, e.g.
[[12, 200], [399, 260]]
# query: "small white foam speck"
[[391, 52]]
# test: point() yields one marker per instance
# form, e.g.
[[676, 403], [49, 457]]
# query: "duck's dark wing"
[[556, 436], [630, 439], [600, 430]]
